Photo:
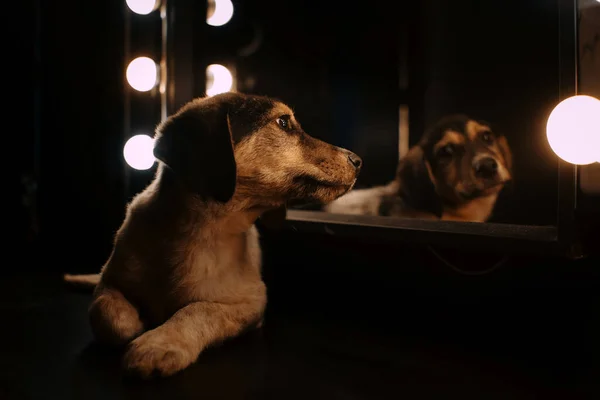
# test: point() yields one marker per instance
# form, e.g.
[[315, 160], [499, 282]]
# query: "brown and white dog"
[[185, 270], [455, 172]]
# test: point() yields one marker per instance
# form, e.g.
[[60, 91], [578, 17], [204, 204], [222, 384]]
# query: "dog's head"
[[458, 160], [254, 148]]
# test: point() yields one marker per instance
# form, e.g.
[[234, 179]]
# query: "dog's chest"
[[221, 269]]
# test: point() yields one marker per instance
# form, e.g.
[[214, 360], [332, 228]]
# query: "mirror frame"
[[182, 29]]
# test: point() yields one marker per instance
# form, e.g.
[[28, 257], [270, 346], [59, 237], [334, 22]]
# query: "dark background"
[[530, 328], [66, 183], [340, 68]]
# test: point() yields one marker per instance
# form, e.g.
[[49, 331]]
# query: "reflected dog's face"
[[456, 170], [466, 159], [252, 149]]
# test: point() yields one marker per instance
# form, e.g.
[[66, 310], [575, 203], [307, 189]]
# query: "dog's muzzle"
[[486, 168]]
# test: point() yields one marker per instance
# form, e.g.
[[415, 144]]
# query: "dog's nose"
[[486, 167], [355, 160]]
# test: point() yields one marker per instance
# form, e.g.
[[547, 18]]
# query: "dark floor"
[[306, 354]]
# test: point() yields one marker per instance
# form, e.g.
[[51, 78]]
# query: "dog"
[[455, 172], [185, 269]]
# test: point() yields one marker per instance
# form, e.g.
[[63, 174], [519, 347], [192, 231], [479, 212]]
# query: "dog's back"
[[362, 201]]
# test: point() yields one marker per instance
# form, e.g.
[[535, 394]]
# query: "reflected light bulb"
[[142, 74], [142, 7], [219, 12], [139, 152], [218, 79], [573, 130]]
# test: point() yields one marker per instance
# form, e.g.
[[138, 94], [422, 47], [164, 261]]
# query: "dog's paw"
[[151, 355]]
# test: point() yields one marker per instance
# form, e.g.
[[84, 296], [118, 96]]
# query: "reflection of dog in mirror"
[[184, 272], [455, 172]]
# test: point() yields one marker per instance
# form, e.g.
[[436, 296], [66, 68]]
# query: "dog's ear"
[[417, 189], [506, 153], [196, 144]]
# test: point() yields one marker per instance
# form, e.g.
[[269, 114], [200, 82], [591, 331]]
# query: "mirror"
[[445, 102], [589, 47]]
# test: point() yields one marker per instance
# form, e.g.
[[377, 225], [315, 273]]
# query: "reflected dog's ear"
[[506, 153], [196, 144], [417, 188]]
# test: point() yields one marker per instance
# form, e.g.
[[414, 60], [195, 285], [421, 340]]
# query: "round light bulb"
[[573, 130], [218, 79], [139, 152], [219, 12], [142, 7], [142, 74]]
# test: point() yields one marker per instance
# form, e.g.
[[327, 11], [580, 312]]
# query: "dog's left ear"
[[417, 189], [506, 153], [196, 144]]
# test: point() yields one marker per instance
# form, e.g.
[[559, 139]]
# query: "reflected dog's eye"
[[487, 137], [284, 122], [447, 150]]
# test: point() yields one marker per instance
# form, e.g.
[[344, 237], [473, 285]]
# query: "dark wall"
[[74, 147]]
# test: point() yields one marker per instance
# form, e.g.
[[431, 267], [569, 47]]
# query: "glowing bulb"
[[138, 152], [142, 7], [219, 12], [573, 130], [142, 74], [218, 79]]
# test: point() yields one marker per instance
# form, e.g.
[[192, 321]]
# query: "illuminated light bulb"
[[218, 79], [142, 7], [139, 152], [219, 12], [573, 130], [142, 74]]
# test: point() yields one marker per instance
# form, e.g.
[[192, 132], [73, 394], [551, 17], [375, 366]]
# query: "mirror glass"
[[445, 102], [589, 47]]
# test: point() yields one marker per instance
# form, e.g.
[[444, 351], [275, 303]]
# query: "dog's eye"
[[487, 137], [284, 122], [447, 150]]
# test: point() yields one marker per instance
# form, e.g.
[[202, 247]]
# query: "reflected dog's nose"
[[355, 160], [486, 167]]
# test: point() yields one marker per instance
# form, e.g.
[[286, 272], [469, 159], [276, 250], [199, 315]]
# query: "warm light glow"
[[138, 152], [142, 74], [573, 130], [142, 6], [219, 12], [218, 79]]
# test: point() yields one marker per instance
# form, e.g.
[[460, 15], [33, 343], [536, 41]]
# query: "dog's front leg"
[[177, 343]]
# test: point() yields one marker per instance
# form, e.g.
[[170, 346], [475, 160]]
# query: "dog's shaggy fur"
[[185, 270]]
